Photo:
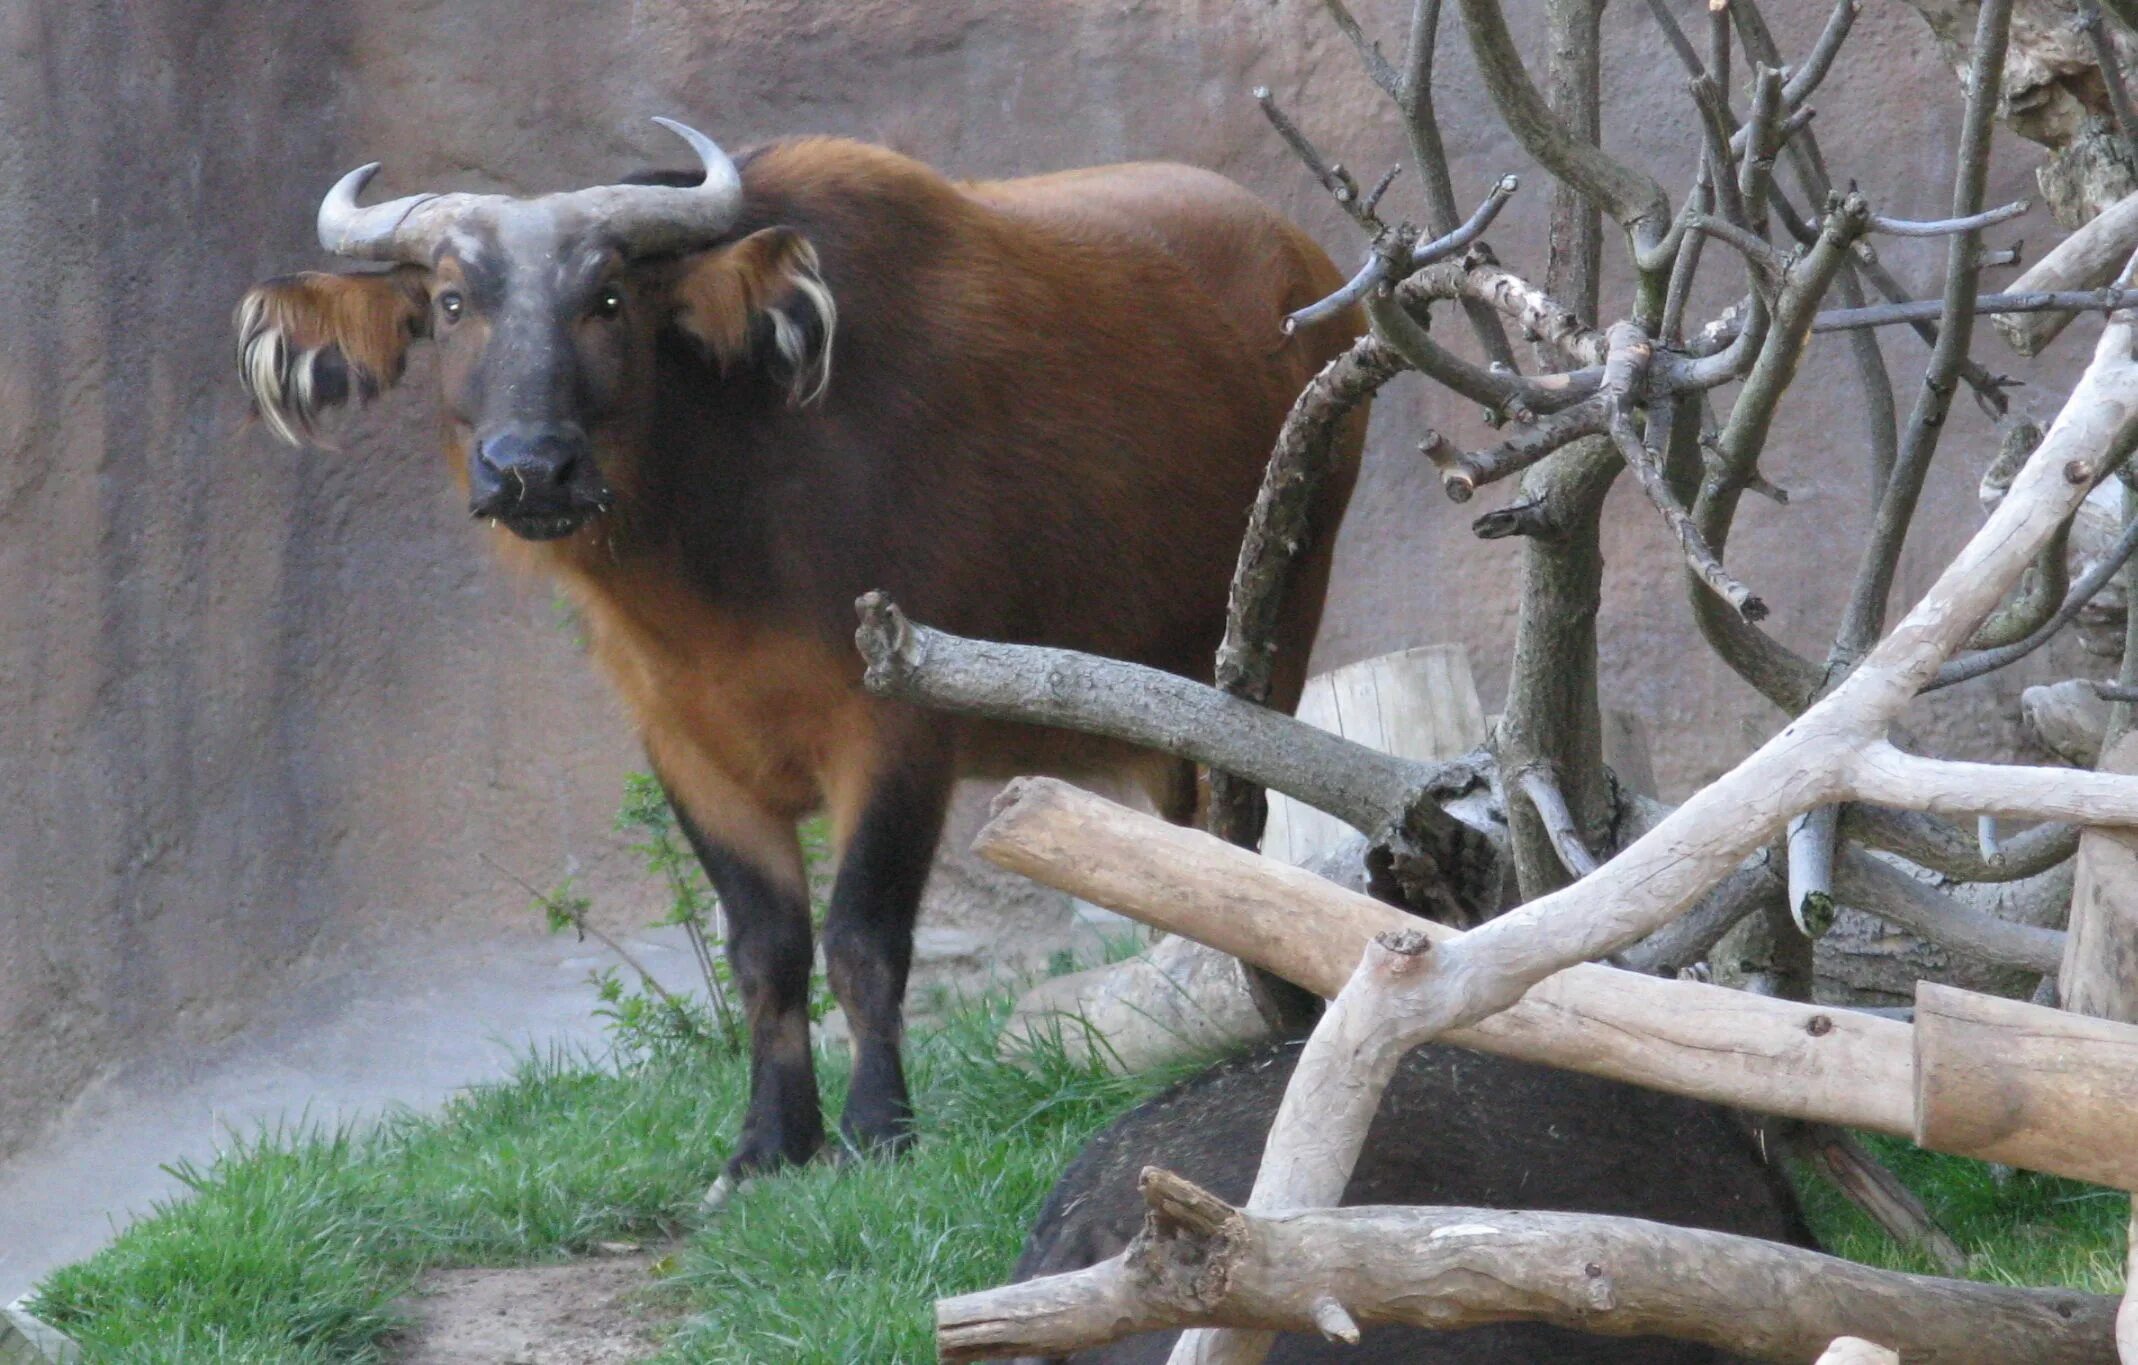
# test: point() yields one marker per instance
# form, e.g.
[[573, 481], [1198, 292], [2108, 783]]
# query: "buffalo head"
[[545, 313]]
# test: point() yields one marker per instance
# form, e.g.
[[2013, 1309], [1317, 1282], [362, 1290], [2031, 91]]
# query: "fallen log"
[[1200, 1262]]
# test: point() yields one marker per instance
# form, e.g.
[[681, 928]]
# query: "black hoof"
[[758, 1156], [883, 1138]]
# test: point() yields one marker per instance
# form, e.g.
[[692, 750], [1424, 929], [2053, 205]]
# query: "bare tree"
[[1832, 810]]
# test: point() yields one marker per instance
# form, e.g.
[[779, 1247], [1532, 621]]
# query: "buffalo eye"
[[609, 303], [450, 305]]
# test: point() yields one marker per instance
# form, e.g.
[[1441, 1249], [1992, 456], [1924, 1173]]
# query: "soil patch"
[[580, 1313]]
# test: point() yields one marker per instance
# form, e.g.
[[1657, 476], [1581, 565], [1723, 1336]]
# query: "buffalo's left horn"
[[647, 219]]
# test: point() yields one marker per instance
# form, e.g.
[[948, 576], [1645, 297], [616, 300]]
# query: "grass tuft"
[[296, 1244]]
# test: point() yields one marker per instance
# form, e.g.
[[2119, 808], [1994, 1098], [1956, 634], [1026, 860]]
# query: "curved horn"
[[656, 218], [399, 230], [642, 218]]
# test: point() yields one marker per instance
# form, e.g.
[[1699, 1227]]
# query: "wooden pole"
[[1774, 1056]]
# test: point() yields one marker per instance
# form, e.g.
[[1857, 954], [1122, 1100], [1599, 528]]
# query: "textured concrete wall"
[[261, 704]]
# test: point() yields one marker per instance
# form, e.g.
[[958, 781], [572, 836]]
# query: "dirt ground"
[[583, 1313]]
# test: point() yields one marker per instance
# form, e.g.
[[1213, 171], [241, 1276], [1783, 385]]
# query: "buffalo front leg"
[[768, 948], [868, 940]]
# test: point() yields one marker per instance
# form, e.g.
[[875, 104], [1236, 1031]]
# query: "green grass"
[[2021, 1228], [295, 1246]]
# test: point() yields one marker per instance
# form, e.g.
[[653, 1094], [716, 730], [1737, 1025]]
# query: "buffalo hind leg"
[[768, 949], [868, 940]]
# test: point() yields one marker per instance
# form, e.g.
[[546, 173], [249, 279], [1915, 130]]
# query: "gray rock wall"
[[264, 705]]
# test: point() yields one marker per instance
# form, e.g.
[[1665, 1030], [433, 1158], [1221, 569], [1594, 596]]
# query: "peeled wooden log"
[[1201, 1262], [2089, 258], [2008, 1081], [1774, 1056], [1777, 1056]]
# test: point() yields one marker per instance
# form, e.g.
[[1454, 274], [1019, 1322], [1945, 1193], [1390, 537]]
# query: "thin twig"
[[1946, 227], [1463, 474], [1865, 616], [1371, 277], [587, 928], [1333, 177], [1974, 665], [1808, 73], [1382, 263], [1370, 57], [1919, 310], [1679, 43], [1440, 248], [1623, 376]]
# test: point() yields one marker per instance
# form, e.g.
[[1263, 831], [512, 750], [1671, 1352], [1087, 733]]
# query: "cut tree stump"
[[1416, 703], [1178, 998]]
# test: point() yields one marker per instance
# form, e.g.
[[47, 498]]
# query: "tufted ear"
[[308, 343], [762, 301]]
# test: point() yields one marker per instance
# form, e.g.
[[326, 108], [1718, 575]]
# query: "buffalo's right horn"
[[643, 219], [399, 230]]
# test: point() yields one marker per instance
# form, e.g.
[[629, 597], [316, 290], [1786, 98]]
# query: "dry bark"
[[1199, 1261]]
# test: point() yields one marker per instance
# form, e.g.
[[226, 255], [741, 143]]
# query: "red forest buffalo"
[[717, 408]]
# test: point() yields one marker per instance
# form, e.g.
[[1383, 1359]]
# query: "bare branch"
[[1931, 843], [1675, 36], [1812, 70], [1333, 177], [1718, 44], [1200, 1262], [1422, 126], [1277, 527], [1974, 665], [1946, 227], [1627, 195], [1627, 370], [1374, 275], [1440, 248], [1370, 57], [2104, 51], [1393, 257], [1866, 611], [1879, 888], [1057, 687], [1463, 474], [1837, 1154], [1923, 310], [1542, 792], [1536, 311], [1762, 139]]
